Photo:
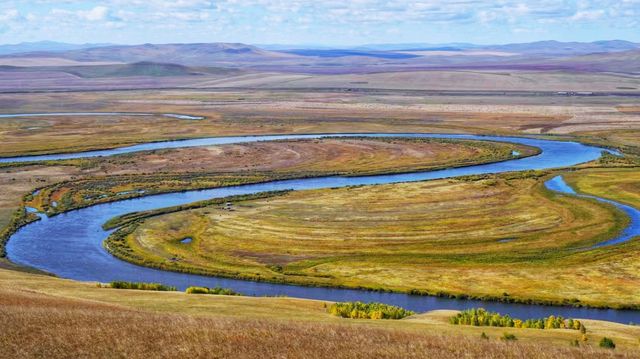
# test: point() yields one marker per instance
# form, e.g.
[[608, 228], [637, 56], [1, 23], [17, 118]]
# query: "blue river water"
[[70, 244]]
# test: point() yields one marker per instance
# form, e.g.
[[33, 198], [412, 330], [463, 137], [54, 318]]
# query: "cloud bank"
[[317, 21]]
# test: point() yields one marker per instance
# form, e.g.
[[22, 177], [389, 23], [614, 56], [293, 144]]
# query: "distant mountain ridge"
[[549, 47], [145, 68], [348, 53], [538, 47], [49, 46], [157, 59], [566, 48], [198, 54]]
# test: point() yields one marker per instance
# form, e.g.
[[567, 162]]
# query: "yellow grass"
[[621, 185]]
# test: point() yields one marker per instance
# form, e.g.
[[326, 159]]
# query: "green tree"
[[607, 343]]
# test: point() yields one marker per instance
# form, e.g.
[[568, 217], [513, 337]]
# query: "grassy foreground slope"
[[49, 317], [501, 238]]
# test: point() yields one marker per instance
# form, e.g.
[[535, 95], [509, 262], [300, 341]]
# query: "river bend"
[[70, 244]]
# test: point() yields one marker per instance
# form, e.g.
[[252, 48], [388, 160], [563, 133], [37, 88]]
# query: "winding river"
[[70, 244]]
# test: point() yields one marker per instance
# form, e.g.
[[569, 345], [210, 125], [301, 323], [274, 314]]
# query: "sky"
[[317, 22]]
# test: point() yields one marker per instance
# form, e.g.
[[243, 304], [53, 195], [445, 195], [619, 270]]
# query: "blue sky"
[[330, 22]]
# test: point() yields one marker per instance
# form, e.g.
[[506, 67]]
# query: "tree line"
[[215, 290], [141, 286], [481, 317], [359, 310]]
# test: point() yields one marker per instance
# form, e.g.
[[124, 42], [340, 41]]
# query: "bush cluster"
[[607, 343], [141, 286], [359, 310], [482, 317], [216, 291]]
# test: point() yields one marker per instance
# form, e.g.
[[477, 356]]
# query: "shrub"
[[481, 317], [584, 338], [215, 291], [575, 343], [197, 290], [484, 336], [19, 218], [607, 343], [583, 330], [509, 337], [140, 286], [359, 310]]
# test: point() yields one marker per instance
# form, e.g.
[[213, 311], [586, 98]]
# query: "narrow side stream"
[[557, 184]]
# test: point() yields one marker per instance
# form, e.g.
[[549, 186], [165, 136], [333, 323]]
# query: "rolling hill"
[[183, 54], [557, 48], [48, 46], [625, 61], [143, 69]]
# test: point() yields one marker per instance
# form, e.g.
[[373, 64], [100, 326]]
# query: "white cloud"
[[361, 11], [98, 13], [9, 15], [588, 15], [330, 18]]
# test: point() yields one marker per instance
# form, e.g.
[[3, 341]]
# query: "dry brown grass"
[[630, 109], [37, 325], [440, 80], [357, 155]]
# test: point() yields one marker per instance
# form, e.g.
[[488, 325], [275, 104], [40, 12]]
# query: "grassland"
[[43, 316], [305, 111], [500, 238]]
